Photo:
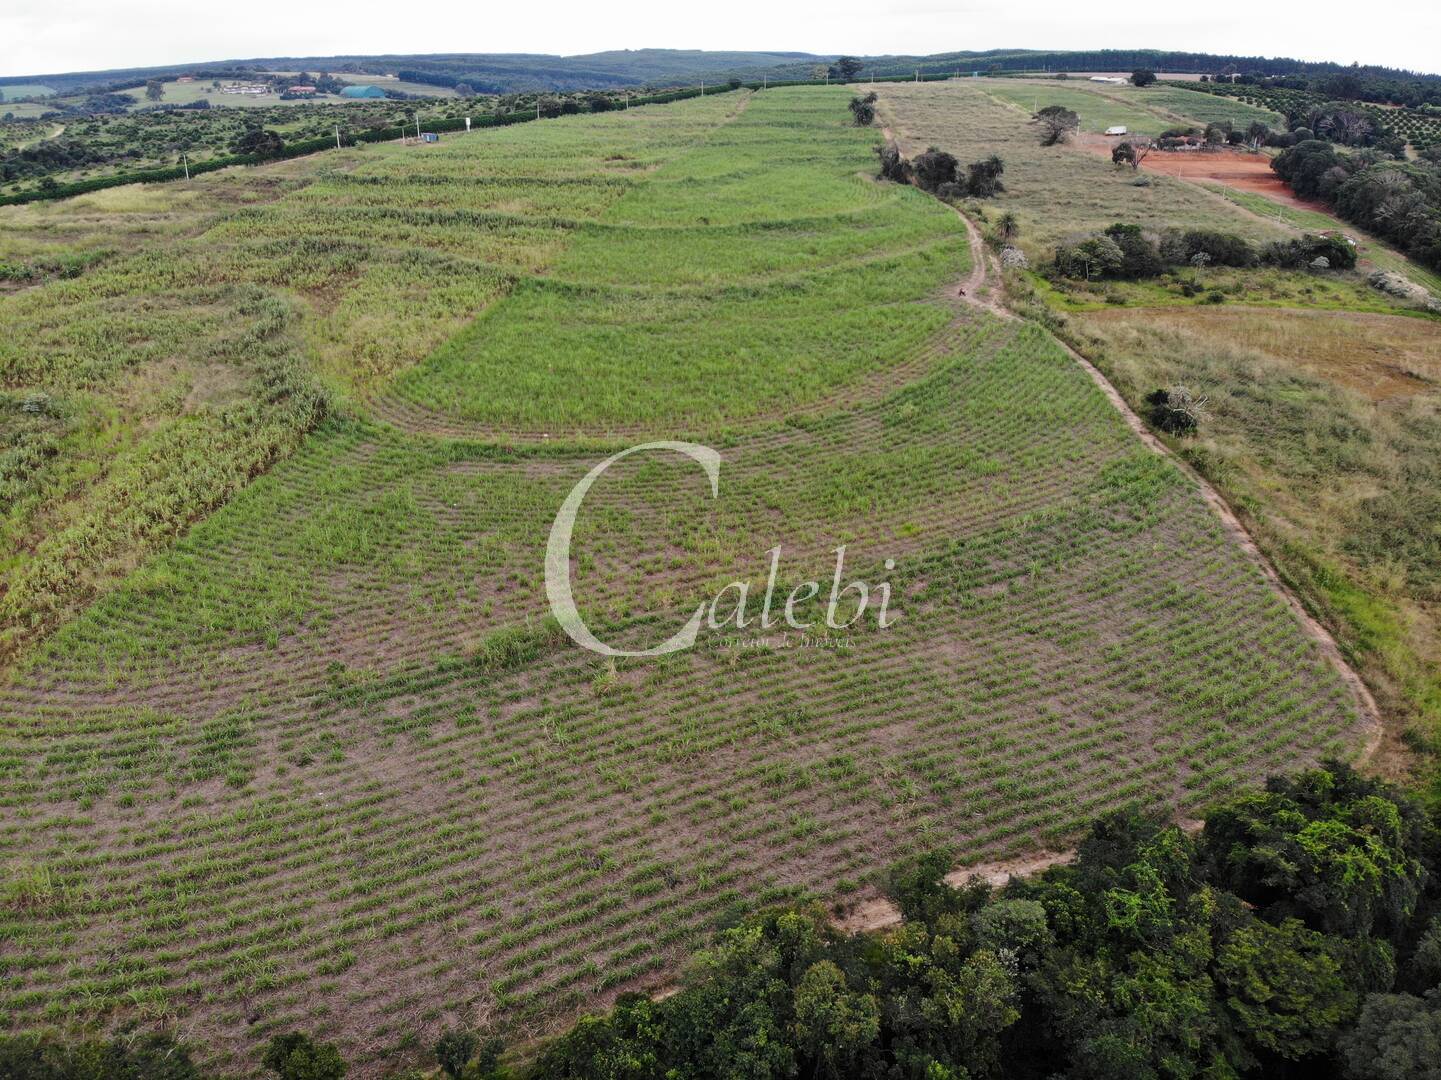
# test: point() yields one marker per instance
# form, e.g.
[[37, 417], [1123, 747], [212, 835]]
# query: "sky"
[[43, 36]]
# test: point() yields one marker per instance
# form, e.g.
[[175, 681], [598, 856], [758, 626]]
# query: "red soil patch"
[[1234, 168]]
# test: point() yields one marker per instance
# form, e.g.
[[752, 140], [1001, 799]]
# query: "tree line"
[[1297, 935]]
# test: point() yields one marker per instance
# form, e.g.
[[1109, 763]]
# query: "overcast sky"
[[38, 36]]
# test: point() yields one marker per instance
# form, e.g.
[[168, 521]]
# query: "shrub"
[[984, 177], [893, 166], [934, 168], [1094, 257], [1338, 253], [1142, 78], [1177, 410], [146, 1057], [1141, 257], [600, 103], [863, 109], [454, 1049], [297, 1057], [1182, 246]]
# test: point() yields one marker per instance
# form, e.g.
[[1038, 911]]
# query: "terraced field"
[[326, 764]]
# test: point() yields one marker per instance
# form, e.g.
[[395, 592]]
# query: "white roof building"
[[1119, 129]]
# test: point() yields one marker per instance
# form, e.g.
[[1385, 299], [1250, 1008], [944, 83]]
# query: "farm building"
[[1116, 79], [362, 92], [1119, 129]]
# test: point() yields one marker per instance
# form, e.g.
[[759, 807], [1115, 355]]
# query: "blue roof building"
[[362, 92]]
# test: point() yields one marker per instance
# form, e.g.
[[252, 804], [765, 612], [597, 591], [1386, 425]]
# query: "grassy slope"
[[1336, 486], [795, 276], [333, 707], [262, 272]]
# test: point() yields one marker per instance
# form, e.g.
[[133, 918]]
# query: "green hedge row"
[[312, 146]]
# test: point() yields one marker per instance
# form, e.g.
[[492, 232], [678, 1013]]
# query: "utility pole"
[[185, 158], [337, 136], [918, 74], [702, 88]]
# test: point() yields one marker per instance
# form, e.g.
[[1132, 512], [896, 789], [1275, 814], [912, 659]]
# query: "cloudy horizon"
[[89, 35]]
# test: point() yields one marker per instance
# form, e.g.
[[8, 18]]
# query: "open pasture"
[[1191, 106], [12, 91], [1055, 192], [1097, 111]]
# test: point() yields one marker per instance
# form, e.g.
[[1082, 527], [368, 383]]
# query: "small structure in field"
[[1118, 129], [429, 136]]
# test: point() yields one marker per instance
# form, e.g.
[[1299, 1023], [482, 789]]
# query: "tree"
[[1007, 228], [1396, 1037], [1142, 78], [1284, 987], [600, 103], [1056, 124], [864, 109], [297, 1057], [934, 168], [154, 89], [464, 89], [1142, 257], [1094, 257], [261, 143], [846, 69], [984, 177], [454, 1049], [834, 1025]]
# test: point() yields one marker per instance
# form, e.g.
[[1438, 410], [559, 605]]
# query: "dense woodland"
[[1297, 935]]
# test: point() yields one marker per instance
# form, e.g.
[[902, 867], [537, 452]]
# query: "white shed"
[[1119, 129]]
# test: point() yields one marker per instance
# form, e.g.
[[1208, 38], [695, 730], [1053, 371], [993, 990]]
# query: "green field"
[[1146, 110], [1194, 106], [288, 740], [1097, 111], [16, 90]]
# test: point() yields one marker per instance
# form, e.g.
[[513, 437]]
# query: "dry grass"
[[1054, 191], [1380, 356], [1324, 432]]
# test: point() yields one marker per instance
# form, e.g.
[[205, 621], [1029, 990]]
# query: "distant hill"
[[501, 73], [497, 73], [1015, 60]]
